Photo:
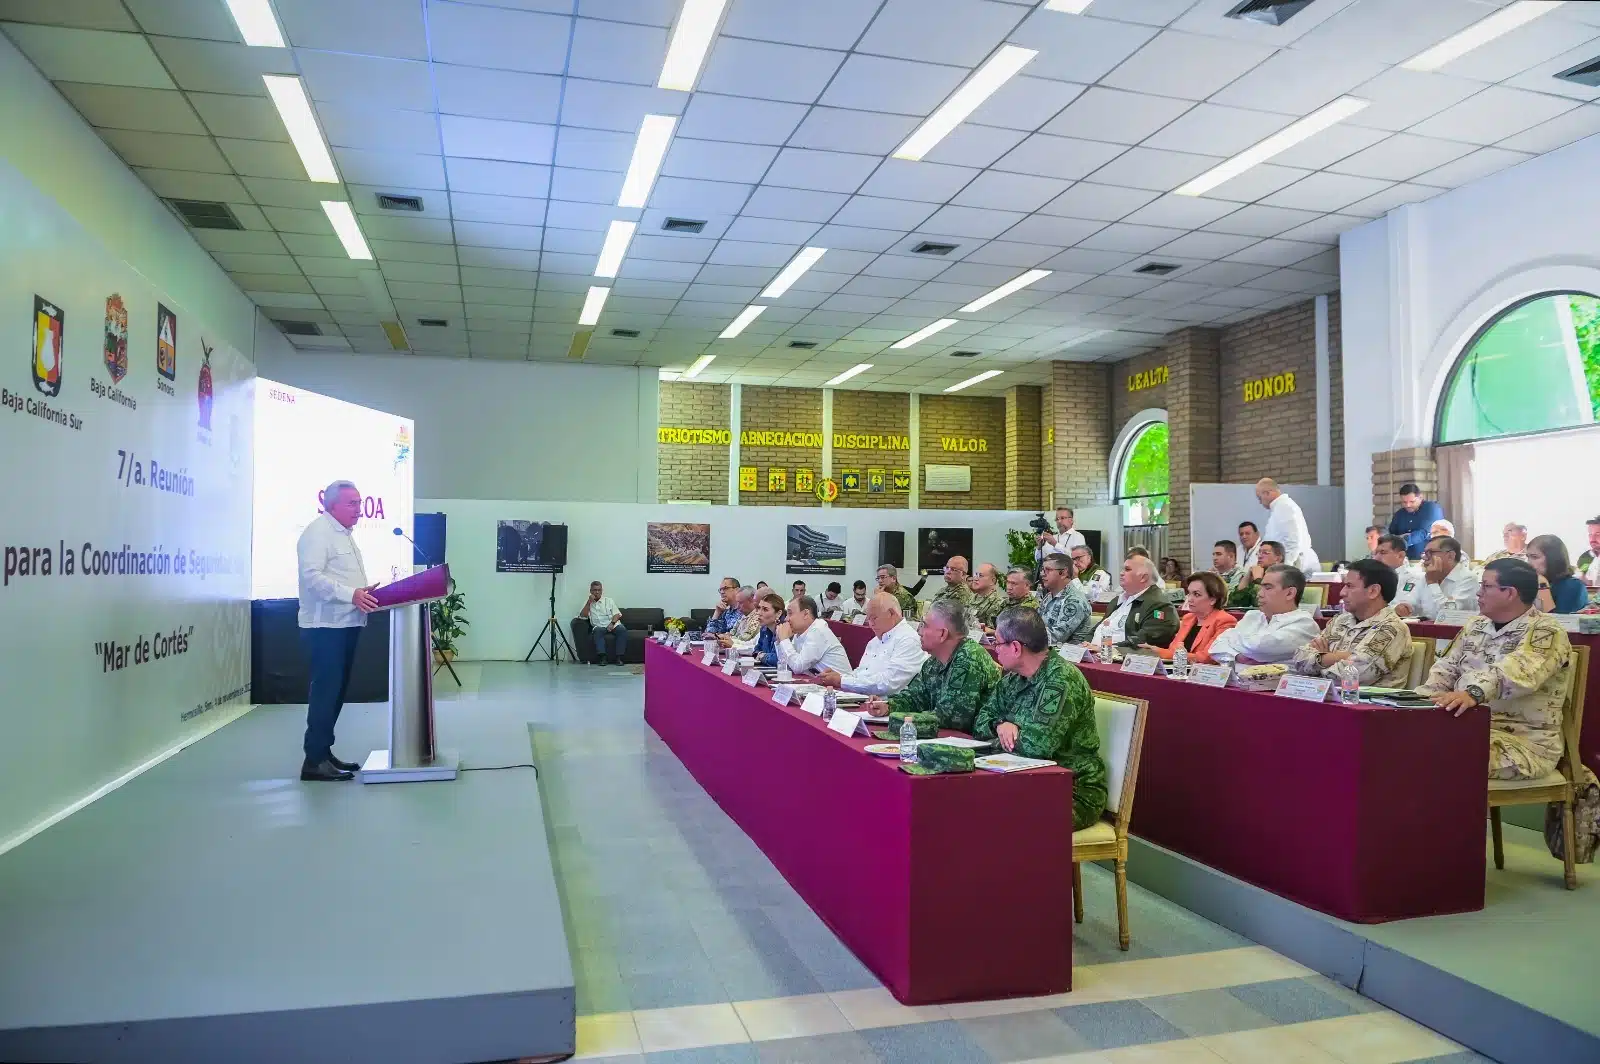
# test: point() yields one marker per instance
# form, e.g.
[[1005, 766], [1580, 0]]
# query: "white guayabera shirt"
[[331, 572]]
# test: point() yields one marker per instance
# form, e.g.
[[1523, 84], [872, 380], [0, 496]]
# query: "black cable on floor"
[[502, 768]]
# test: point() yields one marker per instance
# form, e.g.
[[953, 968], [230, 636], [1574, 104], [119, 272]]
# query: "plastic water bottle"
[[1180, 662], [830, 702], [1349, 684], [908, 742]]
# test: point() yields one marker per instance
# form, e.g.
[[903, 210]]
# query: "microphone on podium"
[[416, 550]]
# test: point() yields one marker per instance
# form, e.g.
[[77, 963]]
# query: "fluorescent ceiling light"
[[670, 374], [655, 133], [923, 333], [1281, 141], [983, 83], [257, 24], [616, 246], [980, 378], [1085, 338], [847, 374], [1480, 33], [791, 273], [699, 364], [691, 39], [289, 96], [593, 304], [344, 224], [746, 316], [1070, 7], [1016, 284]]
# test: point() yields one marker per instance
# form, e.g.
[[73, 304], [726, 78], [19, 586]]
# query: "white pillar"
[[735, 399], [1324, 396], [916, 451]]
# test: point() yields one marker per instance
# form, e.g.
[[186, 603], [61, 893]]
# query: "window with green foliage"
[[1534, 367], [1142, 477]]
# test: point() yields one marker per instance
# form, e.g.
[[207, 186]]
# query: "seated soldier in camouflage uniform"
[[1042, 707], [1368, 632], [889, 581], [988, 597], [955, 584], [1513, 659], [955, 679], [1064, 607]]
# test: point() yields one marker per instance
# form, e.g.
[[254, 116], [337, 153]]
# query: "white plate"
[[884, 749]]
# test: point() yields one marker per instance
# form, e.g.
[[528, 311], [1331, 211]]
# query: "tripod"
[[552, 629]]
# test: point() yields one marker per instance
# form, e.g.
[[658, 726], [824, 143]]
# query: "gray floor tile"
[[1024, 1036], [945, 1041], [1463, 1057], [848, 1048], [670, 989], [1113, 1024], [1203, 1012], [736, 1054], [1290, 1001]]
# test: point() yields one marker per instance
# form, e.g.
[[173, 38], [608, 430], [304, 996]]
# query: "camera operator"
[[1062, 540]]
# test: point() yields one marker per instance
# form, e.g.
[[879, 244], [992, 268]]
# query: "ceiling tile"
[[498, 258], [1208, 129], [499, 235], [1011, 253], [587, 186], [794, 204], [771, 231], [92, 57], [392, 28], [1206, 246], [1481, 163], [768, 71], [1298, 81], [594, 149], [820, 171], [1400, 98], [512, 210], [1025, 103], [817, 23], [713, 117], [489, 138], [1048, 229], [972, 222], [870, 82], [174, 151], [1493, 114], [1006, 191], [1102, 202], [369, 80], [876, 213], [1116, 116], [1401, 157], [958, 32], [1395, 195], [214, 66], [411, 251], [1558, 132], [1132, 239], [608, 105], [120, 107], [1329, 146], [565, 214], [261, 158], [836, 129], [1327, 192], [1260, 220], [717, 159], [499, 178], [509, 95], [1325, 229], [1072, 48], [1186, 65], [974, 145], [246, 117], [353, 126], [617, 51], [696, 198], [1186, 212], [390, 168], [929, 182], [301, 244], [1160, 171], [471, 35], [420, 230], [247, 243], [80, 14], [1390, 31], [1059, 157], [854, 238]]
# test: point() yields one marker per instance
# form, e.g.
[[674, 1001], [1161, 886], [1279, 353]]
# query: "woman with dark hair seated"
[[1560, 591], [1206, 618], [1171, 573]]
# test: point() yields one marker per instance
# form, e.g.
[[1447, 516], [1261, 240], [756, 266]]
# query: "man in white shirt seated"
[[890, 660], [1250, 540], [604, 620], [1287, 525], [832, 600], [806, 644], [1449, 581], [1408, 578], [854, 609], [1062, 540], [1272, 633]]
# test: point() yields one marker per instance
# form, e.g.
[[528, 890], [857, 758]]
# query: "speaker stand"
[[552, 631]]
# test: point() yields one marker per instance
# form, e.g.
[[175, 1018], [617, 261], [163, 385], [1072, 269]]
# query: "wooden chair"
[[1422, 656], [1120, 723], [1560, 785]]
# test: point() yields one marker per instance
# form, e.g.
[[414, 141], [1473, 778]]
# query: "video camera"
[[1040, 525]]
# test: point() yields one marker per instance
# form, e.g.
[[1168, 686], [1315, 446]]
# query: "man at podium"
[[335, 599]]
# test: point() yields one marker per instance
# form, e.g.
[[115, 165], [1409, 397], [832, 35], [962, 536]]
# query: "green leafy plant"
[[1243, 598], [1020, 545], [449, 624]]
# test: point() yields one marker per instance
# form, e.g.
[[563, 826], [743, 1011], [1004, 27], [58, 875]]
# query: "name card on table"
[[708, 658], [1209, 675], [684, 647], [750, 678], [730, 666], [1459, 618], [1141, 664], [846, 723], [1073, 652], [1306, 688], [813, 704], [783, 694]]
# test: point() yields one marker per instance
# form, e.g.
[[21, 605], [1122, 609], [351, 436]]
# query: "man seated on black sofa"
[[604, 620]]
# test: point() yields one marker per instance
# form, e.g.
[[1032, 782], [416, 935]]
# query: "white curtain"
[[1550, 482]]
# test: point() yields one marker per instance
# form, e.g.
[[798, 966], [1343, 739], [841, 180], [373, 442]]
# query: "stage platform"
[[217, 909], [1515, 982]]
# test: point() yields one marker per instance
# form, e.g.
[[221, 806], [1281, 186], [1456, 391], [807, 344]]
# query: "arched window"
[[1534, 367], [1141, 481]]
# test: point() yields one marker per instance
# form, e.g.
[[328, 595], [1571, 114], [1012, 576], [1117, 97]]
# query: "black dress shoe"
[[348, 766], [324, 772]]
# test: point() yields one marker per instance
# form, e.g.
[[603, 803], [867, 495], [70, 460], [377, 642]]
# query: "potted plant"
[[1020, 545], [449, 624]]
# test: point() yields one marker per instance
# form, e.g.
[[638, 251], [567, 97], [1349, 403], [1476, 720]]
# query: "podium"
[[413, 755]]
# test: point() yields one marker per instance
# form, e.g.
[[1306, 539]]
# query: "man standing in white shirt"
[[1063, 539], [604, 620], [1271, 634], [1449, 581], [1287, 525], [806, 644], [890, 660], [335, 599], [1391, 551]]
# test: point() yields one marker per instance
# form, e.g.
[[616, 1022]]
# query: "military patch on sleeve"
[[1542, 639], [1158, 614]]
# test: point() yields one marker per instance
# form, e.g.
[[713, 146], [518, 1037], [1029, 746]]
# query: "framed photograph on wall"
[[815, 549], [677, 547], [936, 546]]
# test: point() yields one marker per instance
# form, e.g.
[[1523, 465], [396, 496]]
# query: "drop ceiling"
[[513, 121]]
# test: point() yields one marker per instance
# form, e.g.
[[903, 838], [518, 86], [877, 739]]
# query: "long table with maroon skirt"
[[904, 869], [855, 638], [1363, 812]]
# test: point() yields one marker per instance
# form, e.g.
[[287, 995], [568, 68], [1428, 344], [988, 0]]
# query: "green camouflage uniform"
[[1067, 615], [960, 594], [1054, 714], [953, 692], [989, 606], [1522, 671], [908, 601], [1380, 645]]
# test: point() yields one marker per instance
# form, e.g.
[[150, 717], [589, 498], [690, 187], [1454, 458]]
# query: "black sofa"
[[639, 623]]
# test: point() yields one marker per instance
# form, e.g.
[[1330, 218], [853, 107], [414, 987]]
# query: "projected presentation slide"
[[304, 442]]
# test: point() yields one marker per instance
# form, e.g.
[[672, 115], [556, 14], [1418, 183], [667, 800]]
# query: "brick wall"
[[697, 471], [1125, 404], [872, 414], [1336, 389], [1193, 426], [1081, 408], [1390, 469], [1023, 456], [965, 417], [780, 410], [1047, 445]]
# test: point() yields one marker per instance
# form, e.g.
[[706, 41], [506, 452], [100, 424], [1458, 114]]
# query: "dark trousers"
[[619, 642], [331, 651]]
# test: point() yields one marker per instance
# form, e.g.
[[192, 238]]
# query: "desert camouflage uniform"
[[1522, 672], [1381, 645], [988, 606], [1054, 714], [1067, 615], [954, 691], [960, 594]]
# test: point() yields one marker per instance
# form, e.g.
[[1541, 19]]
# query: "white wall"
[[1417, 284], [606, 542], [503, 430]]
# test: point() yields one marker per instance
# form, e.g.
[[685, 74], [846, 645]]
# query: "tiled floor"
[[690, 948]]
